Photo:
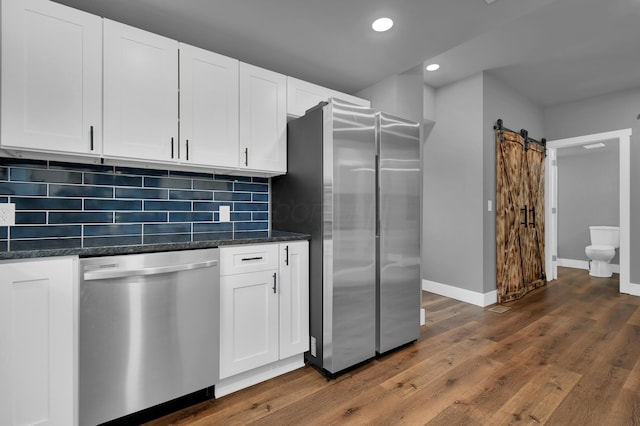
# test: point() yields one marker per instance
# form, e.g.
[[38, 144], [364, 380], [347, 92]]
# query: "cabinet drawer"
[[248, 258]]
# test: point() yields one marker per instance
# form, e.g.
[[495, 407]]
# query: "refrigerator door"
[[399, 186], [349, 221]]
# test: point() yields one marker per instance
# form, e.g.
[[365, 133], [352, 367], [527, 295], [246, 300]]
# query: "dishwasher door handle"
[[123, 273]]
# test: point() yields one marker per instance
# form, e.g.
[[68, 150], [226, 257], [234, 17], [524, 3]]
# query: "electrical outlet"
[[7, 214], [225, 213]]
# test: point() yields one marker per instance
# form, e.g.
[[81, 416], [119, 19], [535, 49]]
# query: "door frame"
[[623, 138]]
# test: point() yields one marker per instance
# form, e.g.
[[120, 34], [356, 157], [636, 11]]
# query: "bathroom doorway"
[[622, 138]]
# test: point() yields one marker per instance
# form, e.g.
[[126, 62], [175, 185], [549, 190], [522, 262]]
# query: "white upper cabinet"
[[263, 120], [51, 78], [302, 95], [208, 108], [140, 94]]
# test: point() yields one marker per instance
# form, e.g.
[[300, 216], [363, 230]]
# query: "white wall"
[[452, 188], [588, 194], [609, 112]]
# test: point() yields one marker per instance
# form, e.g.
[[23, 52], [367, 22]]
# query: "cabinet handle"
[[171, 147], [286, 259], [187, 149], [274, 283], [178, 149], [91, 136], [246, 157], [245, 259]]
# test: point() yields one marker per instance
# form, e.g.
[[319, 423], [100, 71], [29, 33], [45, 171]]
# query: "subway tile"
[[45, 244], [165, 182], [49, 176], [112, 180], [212, 185], [232, 196], [193, 175], [190, 217], [30, 218], [250, 226], [30, 232], [260, 197], [4, 232], [142, 217], [112, 229], [4, 173], [47, 203], [260, 180], [175, 194], [250, 207], [250, 187], [4, 245], [98, 168], [140, 172], [143, 193], [80, 191], [167, 205], [80, 217], [259, 216], [166, 228], [250, 234], [200, 206], [168, 238], [23, 162], [4, 199], [112, 205], [210, 236], [233, 178], [237, 217], [213, 227], [129, 240], [18, 188]]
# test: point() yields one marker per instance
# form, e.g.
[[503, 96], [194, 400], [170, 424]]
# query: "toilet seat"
[[600, 251], [600, 256]]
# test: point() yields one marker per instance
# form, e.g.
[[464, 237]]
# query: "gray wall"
[[588, 194], [517, 112], [452, 188], [609, 112]]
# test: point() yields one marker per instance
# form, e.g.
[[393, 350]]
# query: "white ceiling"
[[552, 51]]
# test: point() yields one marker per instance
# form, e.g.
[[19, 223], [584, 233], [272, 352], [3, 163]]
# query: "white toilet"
[[604, 242]]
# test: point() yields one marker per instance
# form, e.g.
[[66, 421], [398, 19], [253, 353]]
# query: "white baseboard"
[[257, 375], [583, 264], [632, 289], [467, 296]]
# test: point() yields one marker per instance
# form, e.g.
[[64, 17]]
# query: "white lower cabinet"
[[264, 313], [38, 341]]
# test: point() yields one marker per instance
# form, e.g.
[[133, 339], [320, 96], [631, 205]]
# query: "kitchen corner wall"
[[68, 205]]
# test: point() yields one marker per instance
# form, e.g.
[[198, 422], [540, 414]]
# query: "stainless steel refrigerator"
[[364, 226]]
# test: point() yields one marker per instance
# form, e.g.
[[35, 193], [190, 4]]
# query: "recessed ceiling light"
[[433, 67], [382, 24], [593, 145]]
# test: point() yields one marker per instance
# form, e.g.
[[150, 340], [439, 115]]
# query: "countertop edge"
[[276, 236]]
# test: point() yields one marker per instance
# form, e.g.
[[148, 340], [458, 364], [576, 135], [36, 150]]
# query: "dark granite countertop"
[[274, 236]]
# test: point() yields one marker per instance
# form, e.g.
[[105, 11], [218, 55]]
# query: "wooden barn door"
[[519, 215]]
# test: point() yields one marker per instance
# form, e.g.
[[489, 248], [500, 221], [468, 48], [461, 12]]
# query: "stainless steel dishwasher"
[[149, 330]]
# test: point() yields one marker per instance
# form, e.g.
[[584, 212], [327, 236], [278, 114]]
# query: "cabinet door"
[[37, 339], [51, 78], [263, 119], [140, 94], [208, 108], [248, 322], [294, 298]]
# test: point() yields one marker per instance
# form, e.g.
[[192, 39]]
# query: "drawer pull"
[[274, 282], [245, 259]]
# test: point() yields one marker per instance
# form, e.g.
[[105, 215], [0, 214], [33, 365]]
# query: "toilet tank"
[[605, 236]]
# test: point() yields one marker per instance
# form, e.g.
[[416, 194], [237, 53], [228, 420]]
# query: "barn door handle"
[[533, 217], [526, 222]]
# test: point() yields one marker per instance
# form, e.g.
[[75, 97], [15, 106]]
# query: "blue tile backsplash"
[[68, 205]]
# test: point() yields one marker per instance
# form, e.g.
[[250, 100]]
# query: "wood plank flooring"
[[566, 354]]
